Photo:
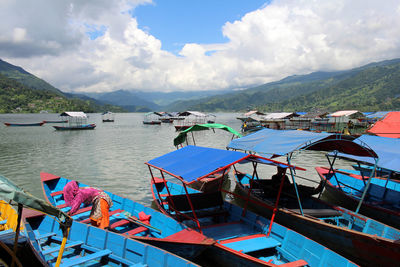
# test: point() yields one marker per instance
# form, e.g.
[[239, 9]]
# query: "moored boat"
[[90, 246], [160, 230], [108, 116], [335, 227], [242, 237], [12, 124], [75, 121]]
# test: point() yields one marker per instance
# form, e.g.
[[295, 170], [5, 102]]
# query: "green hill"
[[16, 97], [24, 77], [369, 88]]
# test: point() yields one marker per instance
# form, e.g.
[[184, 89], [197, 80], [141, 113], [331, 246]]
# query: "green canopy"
[[10, 191], [200, 127]]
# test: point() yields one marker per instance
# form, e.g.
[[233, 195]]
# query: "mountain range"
[[372, 87]]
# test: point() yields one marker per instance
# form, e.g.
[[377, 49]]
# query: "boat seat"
[[88, 257], [38, 236], [320, 212], [251, 243], [61, 206], [119, 223], [136, 231], [57, 248], [57, 193]]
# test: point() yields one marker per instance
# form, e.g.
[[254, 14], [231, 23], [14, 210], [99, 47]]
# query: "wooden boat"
[[75, 121], [381, 202], [354, 236], [108, 116], [12, 192], [242, 237], [91, 246], [152, 122], [23, 124], [62, 121], [162, 232], [90, 126], [152, 118]]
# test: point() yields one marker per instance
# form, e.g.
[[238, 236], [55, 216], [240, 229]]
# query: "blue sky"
[[172, 45], [177, 22]]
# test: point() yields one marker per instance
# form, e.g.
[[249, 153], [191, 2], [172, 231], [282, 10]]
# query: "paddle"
[[131, 218]]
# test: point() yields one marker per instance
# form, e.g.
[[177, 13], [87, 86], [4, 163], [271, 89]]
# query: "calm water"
[[110, 157]]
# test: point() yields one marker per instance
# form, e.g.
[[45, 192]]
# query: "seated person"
[[277, 178]]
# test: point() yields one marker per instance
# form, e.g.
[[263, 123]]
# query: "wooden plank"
[[88, 257]]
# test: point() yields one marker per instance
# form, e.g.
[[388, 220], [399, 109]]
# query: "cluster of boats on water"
[[349, 218]]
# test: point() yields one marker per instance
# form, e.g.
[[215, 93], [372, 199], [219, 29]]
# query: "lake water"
[[110, 157]]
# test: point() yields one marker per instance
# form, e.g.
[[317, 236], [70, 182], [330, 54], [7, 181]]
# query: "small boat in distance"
[[152, 118], [75, 121], [108, 116], [24, 124]]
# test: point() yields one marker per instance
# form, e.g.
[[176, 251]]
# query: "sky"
[[182, 45]]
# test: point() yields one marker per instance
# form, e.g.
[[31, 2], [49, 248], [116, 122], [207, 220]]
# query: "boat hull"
[[364, 249], [75, 128], [334, 195], [23, 124], [180, 241], [152, 122]]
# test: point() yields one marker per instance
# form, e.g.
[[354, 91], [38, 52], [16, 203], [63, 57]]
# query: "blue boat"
[[162, 232], [91, 246], [359, 238], [74, 121], [11, 124], [242, 237], [372, 196]]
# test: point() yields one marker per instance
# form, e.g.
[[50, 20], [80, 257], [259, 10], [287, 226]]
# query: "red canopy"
[[389, 126]]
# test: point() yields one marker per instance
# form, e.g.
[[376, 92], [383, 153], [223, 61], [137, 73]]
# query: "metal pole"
[[366, 187], [295, 185]]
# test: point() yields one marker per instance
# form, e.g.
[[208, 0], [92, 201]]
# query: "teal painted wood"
[[234, 231], [88, 245]]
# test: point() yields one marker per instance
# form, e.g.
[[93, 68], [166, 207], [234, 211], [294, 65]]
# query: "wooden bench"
[[204, 204]]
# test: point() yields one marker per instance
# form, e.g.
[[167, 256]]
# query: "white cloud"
[[283, 38]]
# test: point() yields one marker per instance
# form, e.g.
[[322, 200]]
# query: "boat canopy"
[[10, 191], [389, 126], [191, 163], [387, 149], [273, 143], [194, 113], [346, 113], [279, 115], [200, 127], [377, 115], [75, 114]]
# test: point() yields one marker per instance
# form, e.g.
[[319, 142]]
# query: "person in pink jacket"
[[100, 201]]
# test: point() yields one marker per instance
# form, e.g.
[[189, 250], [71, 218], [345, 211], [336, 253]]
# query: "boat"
[[152, 118], [75, 121], [375, 197], [13, 193], [210, 183], [59, 121], [337, 228], [92, 246], [108, 116], [188, 119], [8, 226], [242, 237], [12, 124], [161, 231], [340, 229]]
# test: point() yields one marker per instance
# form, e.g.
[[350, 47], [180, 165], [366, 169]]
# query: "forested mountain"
[[24, 77], [16, 97], [372, 87]]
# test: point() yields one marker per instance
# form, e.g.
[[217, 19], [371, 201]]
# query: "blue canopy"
[[271, 142], [387, 149], [193, 162]]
